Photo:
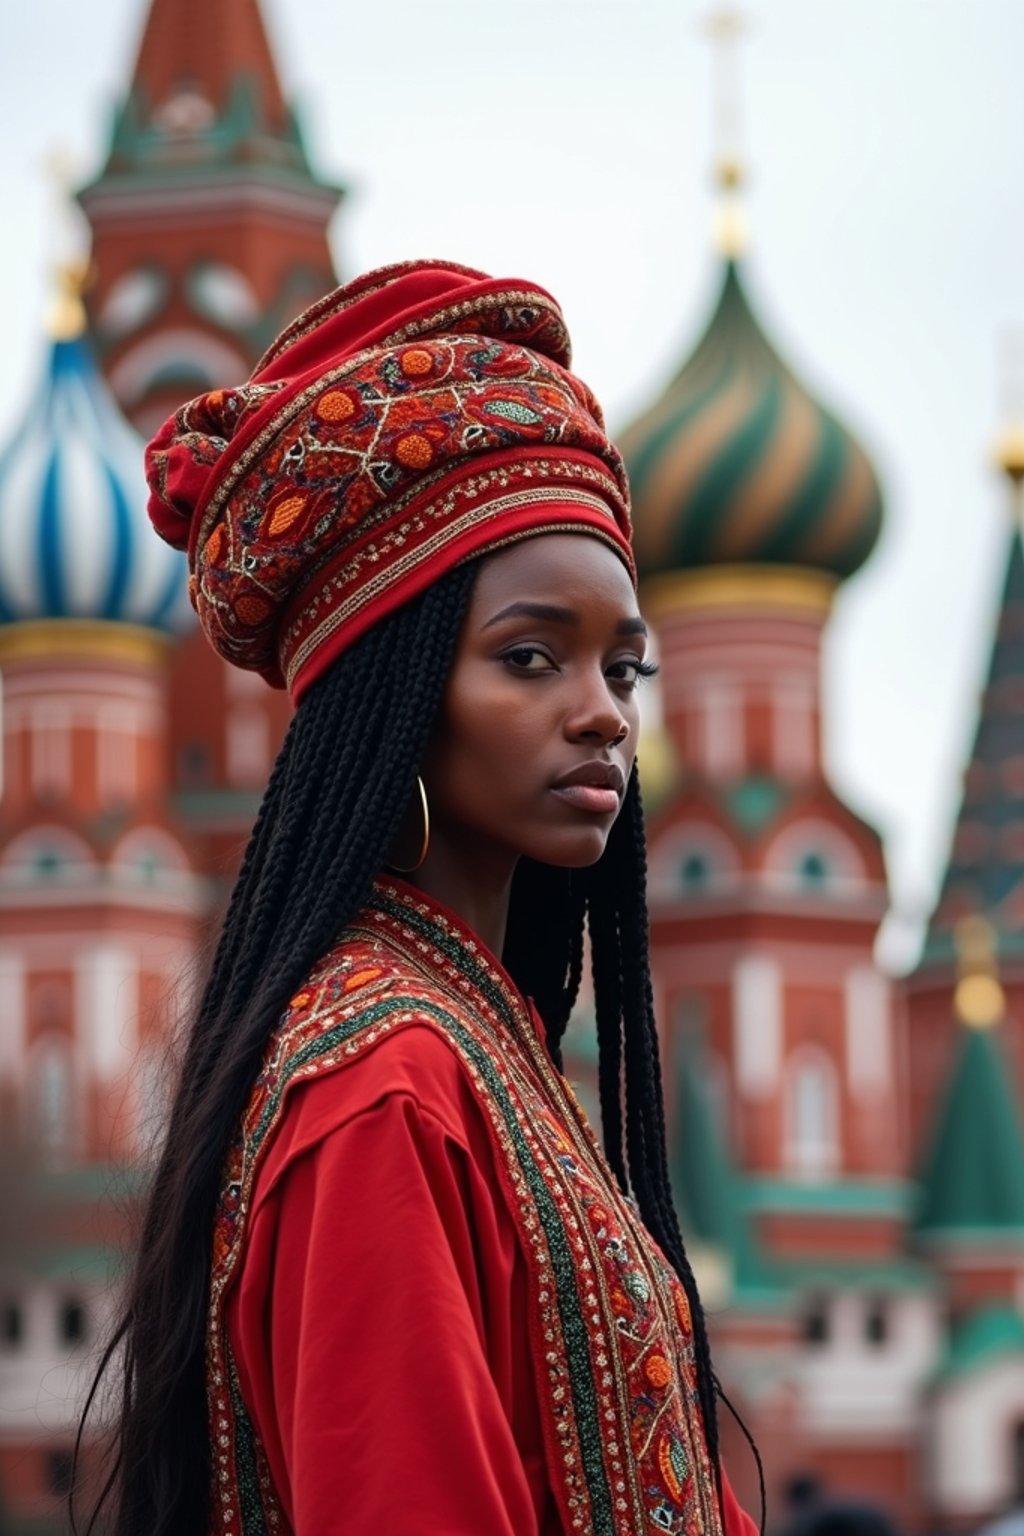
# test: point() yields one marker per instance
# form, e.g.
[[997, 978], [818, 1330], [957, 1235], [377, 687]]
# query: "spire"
[[974, 1174], [205, 92], [725, 26], [985, 874], [209, 223], [194, 53], [973, 1177]]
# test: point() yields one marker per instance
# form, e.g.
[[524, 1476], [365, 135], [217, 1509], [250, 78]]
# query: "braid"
[[356, 741], [603, 926], [546, 959]]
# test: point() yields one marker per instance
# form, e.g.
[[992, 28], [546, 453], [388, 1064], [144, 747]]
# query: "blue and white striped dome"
[[75, 541]]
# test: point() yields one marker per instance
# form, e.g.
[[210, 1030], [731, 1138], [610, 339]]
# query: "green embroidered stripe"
[[453, 949], [247, 1479], [574, 1327]]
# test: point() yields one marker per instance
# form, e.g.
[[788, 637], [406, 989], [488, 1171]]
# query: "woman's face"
[[538, 726]]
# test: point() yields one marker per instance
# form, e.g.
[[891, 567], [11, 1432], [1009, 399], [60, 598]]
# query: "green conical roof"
[[973, 1177], [988, 1335], [704, 1183], [738, 463], [985, 874]]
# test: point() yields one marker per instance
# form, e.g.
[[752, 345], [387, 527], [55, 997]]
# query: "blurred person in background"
[[812, 1511], [388, 1279]]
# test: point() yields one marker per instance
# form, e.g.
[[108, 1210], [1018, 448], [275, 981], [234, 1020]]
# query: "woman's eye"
[[631, 671], [527, 658]]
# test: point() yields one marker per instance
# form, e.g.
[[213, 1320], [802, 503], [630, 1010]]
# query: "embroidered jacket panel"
[[617, 1445]]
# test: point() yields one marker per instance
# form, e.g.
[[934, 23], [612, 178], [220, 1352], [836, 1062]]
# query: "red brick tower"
[[209, 234]]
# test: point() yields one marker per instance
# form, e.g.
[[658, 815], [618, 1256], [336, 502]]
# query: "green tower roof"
[[738, 463], [990, 1334], [973, 1177], [704, 1182], [985, 874]]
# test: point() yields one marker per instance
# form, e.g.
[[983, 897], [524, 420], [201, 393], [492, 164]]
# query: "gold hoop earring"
[[408, 869]]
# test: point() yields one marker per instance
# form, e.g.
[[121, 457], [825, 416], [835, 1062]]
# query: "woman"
[[383, 1250]]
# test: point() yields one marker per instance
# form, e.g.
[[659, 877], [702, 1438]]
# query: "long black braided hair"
[[332, 809]]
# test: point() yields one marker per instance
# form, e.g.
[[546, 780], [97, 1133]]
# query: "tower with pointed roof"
[[984, 877], [209, 233], [964, 1054]]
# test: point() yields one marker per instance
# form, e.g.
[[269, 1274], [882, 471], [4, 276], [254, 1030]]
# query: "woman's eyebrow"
[[551, 613]]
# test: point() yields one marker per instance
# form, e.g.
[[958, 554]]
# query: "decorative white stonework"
[[723, 734], [248, 746], [107, 1006], [868, 1032], [12, 1015], [851, 1386], [812, 1139], [794, 728], [971, 1469], [51, 751], [757, 1025]]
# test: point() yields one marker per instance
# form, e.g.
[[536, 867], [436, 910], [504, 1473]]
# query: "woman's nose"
[[597, 716]]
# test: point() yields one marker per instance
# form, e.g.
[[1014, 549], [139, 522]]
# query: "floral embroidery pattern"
[[609, 1325], [353, 472]]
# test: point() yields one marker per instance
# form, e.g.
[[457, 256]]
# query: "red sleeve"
[[735, 1520], [362, 1327]]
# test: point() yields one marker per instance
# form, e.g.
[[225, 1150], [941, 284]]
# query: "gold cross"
[[725, 26]]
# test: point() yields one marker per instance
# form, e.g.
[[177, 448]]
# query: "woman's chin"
[[578, 849]]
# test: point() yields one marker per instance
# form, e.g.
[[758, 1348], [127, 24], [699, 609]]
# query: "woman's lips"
[[598, 800]]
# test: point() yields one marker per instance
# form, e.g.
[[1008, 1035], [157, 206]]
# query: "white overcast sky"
[[569, 141]]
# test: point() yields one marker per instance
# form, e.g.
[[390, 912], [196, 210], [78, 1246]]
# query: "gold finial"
[[978, 1000], [1009, 446], [66, 317], [725, 26]]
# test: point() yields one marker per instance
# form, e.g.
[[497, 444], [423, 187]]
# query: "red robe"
[[379, 1316]]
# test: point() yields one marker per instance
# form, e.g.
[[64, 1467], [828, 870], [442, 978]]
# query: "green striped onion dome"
[[738, 464]]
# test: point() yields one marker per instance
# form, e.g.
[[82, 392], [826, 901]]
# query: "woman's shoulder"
[[411, 1072], [368, 1028], [363, 970]]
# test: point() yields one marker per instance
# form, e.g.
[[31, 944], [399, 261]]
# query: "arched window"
[[12, 1323], [811, 856], [815, 1322], [877, 1322], [812, 1114], [51, 1097], [72, 1322], [814, 869], [695, 871], [47, 855], [147, 856], [690, 860]]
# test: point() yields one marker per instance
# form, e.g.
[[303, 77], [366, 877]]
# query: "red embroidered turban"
[[407, 422]]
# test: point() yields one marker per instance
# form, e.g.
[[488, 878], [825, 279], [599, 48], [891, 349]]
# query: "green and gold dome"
[[738, 464]]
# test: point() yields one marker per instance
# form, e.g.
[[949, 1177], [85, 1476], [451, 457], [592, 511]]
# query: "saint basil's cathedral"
[[847, 1149]]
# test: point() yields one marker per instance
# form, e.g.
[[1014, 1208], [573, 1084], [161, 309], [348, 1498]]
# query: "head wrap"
[[415, 418]]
